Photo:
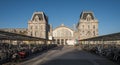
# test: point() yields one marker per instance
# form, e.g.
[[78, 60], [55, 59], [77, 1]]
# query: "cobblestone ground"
[[67, 55]]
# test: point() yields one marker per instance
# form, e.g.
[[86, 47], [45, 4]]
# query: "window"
[[35, 33], [58, 41], [31, 33], [36, 27], [88, 26], [93, 26], [36, 18], [31, 27], [94, 33], [82, 26], [88, 17], [83, 31]]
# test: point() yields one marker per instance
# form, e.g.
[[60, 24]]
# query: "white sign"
[[50, 37]]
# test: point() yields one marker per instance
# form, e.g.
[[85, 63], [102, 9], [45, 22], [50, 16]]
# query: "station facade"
[[38, 26], [87, 27]]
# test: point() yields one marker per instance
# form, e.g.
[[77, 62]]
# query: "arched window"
[[63, 32], [36, 18], [88, 17]]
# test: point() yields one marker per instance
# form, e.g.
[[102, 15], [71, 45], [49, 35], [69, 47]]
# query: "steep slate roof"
[[84, 15], [41, 16]]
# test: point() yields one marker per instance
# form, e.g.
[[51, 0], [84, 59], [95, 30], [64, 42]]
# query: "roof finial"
[[62, 24]]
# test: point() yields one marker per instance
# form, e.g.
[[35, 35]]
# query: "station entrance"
[[62, 34]]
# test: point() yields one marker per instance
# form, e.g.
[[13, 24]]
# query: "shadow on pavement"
[[78, 57], [68, 62], [58, 48]]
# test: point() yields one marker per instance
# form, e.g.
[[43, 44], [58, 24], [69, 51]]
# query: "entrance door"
[[58, 41], [62, 41], [65, 41]]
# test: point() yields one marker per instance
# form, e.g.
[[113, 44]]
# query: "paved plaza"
[[68, 55]]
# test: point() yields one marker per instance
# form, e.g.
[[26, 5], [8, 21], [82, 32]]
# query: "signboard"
[[50, 37]]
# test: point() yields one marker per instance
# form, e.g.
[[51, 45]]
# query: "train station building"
[[38, 26]]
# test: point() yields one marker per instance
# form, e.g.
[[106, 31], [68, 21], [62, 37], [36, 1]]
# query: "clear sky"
[[16, 13]]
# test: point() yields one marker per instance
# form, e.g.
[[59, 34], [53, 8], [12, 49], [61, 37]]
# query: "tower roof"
[[40, 15], [84, 15]]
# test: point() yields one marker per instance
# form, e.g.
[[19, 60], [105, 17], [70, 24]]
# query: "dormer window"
[[88, 17], [36, 18]]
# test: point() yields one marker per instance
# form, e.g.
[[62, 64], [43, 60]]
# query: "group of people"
[[16, 53]]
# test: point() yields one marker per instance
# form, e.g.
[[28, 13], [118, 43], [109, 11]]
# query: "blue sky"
[[16, 13]]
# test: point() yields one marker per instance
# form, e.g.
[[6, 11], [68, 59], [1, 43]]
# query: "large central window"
[[62, 32]]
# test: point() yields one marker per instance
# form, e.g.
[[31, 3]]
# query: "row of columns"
[[61, 41]]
